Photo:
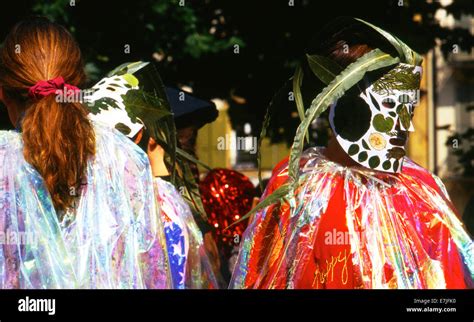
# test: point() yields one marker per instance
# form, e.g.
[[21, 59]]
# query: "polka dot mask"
[[373, 128]]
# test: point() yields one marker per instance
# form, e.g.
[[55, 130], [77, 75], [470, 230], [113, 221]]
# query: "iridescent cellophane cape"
[[112, 238], [132, 94], [190, 265], [356, 228]]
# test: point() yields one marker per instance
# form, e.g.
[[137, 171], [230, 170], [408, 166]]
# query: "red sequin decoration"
[[227, 195]]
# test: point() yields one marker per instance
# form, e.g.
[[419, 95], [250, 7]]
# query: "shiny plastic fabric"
[[190, 265], [112, 238], [356, 228]]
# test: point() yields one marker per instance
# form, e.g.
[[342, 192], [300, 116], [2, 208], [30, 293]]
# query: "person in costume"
[[138, 107], [77, 207], [358, 213], [190, 114]]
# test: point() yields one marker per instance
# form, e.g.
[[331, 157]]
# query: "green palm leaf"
[[297, 81], [263, 133], [266, 122], [275, 197], [192, 159], [324, 68], [407, 55]]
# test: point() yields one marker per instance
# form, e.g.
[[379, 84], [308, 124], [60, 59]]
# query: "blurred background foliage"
[[196, 44]]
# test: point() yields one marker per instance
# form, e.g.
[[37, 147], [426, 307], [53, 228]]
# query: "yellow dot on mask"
[[377, 141]]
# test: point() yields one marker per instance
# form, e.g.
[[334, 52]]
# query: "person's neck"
[[335, 153]]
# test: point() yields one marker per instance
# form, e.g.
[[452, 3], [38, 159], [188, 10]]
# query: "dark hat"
[[189, 110]]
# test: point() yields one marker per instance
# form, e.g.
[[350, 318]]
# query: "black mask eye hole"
[[388, 102]]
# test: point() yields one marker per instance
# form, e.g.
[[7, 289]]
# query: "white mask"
[[110, 90], [373, 128]]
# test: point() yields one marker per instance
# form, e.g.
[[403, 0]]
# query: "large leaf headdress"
[[338, 81]]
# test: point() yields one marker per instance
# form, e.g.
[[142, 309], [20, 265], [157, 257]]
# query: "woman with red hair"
[[77, 196]]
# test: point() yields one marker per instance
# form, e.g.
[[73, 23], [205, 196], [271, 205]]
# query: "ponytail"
[[58, 136], [58, 140]]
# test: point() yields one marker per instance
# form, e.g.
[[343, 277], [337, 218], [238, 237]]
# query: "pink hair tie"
[[52, 86]]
